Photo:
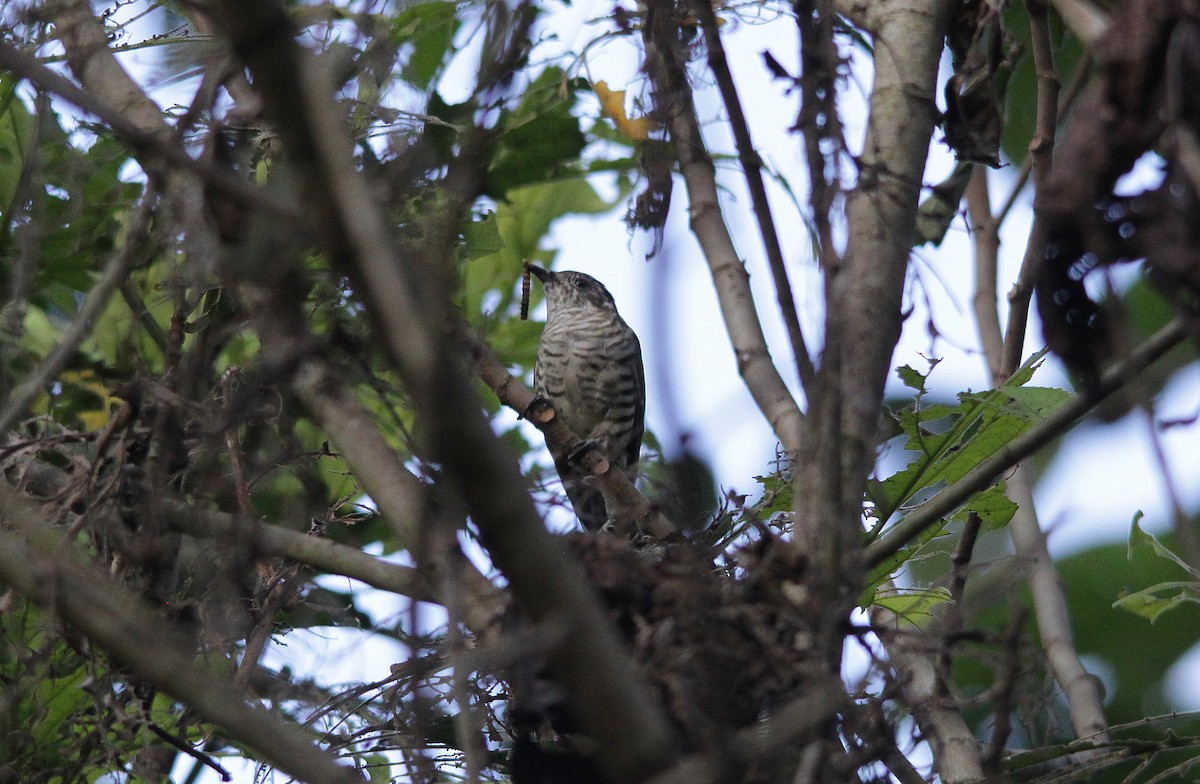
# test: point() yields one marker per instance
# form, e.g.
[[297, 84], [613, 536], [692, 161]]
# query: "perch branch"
[[630, 503], [610, 699]]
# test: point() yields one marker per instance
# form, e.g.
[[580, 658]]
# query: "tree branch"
[[1041, 156], [752, 168], [1058, 422], [1084, 691], [985, 232], [673, 99], [48, 571], [115, 271], [954, 747], [611, 701], [631, 505], [150, 138], [864, 293]]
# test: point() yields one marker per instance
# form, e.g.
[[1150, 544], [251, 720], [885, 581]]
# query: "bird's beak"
[[541, 274]]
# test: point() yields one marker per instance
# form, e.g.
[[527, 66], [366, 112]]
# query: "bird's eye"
[[581, 283]]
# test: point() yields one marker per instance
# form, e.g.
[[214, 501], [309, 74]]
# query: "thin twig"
[[146, 144], [1041, 155], [115, 271], [1051, 613], [1058, 422], [35, 562], [954, 746], [673, 98], [985, 231], [1006, 686], [1067, 98], [468, 727], [1083, 691], [751, 165], [1181, 522], [952, 619]]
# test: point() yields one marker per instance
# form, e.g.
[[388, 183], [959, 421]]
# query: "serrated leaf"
[[911, 378], [913, 605], [1140, 539], [994, 507], [952, 439], [1150, 605]]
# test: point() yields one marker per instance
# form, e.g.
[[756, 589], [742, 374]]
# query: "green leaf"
[[911, 378], [519, 225], [952, 439], [16, 128], [1020, 99], [541, 140], [1138, 653], [994, 507], [913, 605], [482, 237], [429, 28], [1140, 539], [1150, 605]]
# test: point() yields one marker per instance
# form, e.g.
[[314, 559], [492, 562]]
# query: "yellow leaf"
[[94, 419], [612, 104]]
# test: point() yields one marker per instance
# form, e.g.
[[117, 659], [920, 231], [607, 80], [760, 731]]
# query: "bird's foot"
[[588, 455], [539, 411]]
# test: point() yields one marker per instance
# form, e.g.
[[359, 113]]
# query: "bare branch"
[[145, 132], [485, 602], [751, 165], [673, 99], [1084, 692], [48, 571], [630, 504], [611, 701], [863, 306], [955, 749], [115, 271], [1041, 156], [985, 231]]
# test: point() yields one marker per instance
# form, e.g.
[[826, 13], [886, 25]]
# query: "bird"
[[589, 368]]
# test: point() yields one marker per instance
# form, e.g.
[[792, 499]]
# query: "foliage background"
[[231, 349]]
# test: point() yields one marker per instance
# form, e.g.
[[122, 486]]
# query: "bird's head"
[[570, 290]]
